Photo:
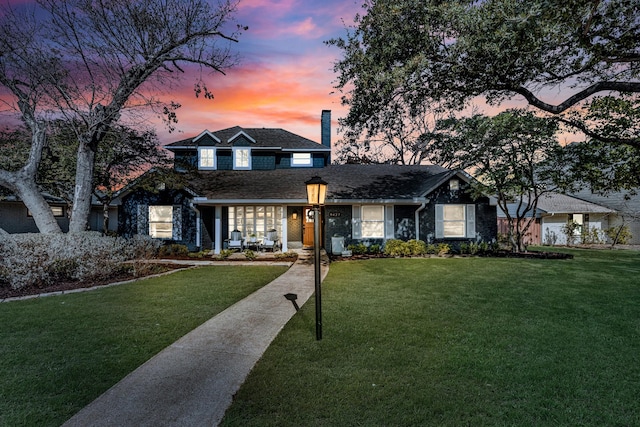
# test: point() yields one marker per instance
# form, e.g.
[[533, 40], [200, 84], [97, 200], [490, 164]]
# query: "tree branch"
[[633, 142], [580, 96]]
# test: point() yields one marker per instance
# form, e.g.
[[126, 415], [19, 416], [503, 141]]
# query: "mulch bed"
[[7, 292], [500, 254]]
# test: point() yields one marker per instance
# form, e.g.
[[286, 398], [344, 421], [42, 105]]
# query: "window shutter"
[[177, 223], [356, 223], [471, 221], [143, 220], [389, 231], [439, 221]]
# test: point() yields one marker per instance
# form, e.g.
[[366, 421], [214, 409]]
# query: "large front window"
[[255, 220], [372, 221], [161, 222]]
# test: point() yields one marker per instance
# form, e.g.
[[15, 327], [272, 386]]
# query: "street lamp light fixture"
[[316, 194]]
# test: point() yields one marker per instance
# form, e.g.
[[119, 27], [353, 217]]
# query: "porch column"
[[217, 227], [284, 228]]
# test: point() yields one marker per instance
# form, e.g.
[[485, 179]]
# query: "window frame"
[[151, 223], [454, 221], [236, 158], [469, 213], [379, 223], [201, 158], [308, 160]]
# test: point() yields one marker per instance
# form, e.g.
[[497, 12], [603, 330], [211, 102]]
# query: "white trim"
[[215, 162], [203, 133], [235, 159], [308, 163], [245, 135]]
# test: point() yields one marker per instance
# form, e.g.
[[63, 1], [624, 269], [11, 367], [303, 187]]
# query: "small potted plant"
[[252, 238]]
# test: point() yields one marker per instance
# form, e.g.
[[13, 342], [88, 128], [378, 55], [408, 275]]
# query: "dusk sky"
[[286, 75]]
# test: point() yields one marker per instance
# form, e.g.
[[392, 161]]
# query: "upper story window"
[[301, 159], [454, 185], [206, 158], [242, 158]]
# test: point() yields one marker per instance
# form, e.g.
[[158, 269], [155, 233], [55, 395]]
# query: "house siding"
[[128, 213], [14, 219], [486, 225]]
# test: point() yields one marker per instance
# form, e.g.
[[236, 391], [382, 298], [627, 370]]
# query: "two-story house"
[[251, 181]]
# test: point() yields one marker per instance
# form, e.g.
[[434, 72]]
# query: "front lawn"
[[458, 341], [58, 353]]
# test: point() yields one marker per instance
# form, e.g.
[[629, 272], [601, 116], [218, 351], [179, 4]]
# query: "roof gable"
[[275, 138]]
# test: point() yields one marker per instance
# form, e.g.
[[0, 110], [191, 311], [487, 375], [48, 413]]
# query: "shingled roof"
[[345, 182], [263, 137]]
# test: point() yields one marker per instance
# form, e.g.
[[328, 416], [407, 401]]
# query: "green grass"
[[59, 353], [457, 342]]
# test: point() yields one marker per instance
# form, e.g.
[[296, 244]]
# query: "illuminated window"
[[242, 158], [372, 218], [455, 221], [206, 158], [161, 222], [301, 159], [58, 211]]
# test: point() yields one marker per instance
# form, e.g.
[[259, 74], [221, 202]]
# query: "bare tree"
[[105, 58]]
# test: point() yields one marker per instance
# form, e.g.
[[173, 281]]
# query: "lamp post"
[[316, 193]]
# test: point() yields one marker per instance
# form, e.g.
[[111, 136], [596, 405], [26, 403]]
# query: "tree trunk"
[[27, 190], [84, 189], [105, 217]]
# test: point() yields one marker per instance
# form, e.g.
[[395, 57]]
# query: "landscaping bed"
[[69, 285]]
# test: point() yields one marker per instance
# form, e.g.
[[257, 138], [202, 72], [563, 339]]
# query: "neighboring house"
[[16, 218], [626, 206], [555, 211], [253, 180]]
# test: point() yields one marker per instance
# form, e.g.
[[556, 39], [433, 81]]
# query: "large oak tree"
[[91, 62], [556, 55]]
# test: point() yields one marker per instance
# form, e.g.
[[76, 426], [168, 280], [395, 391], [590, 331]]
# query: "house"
[[251, 181], [553, 212], [16, 218], [626, 207]]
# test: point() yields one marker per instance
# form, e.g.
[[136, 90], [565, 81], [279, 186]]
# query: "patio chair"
[[270, 241], [236, 242]]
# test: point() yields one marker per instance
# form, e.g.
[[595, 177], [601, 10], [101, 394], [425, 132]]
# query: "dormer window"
[[241, 158], [301, 159], [454, 185], [206, 158]]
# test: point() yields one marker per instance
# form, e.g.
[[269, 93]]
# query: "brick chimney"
[[325, 131]]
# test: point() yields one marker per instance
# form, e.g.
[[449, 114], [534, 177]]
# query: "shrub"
[[417, 247], [288, 254], [225, 253], [569, 230], [591, 235], [41, 259], [357, 249], [443, 249], [431, 249], [619, 234], [550, 237], [396, 248], [375, 249], [250, 254], [174, 249]]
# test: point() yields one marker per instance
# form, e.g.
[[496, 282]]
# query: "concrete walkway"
[[192, 382]]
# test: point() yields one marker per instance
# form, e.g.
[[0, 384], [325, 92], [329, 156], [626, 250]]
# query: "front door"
[[307, 228]]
